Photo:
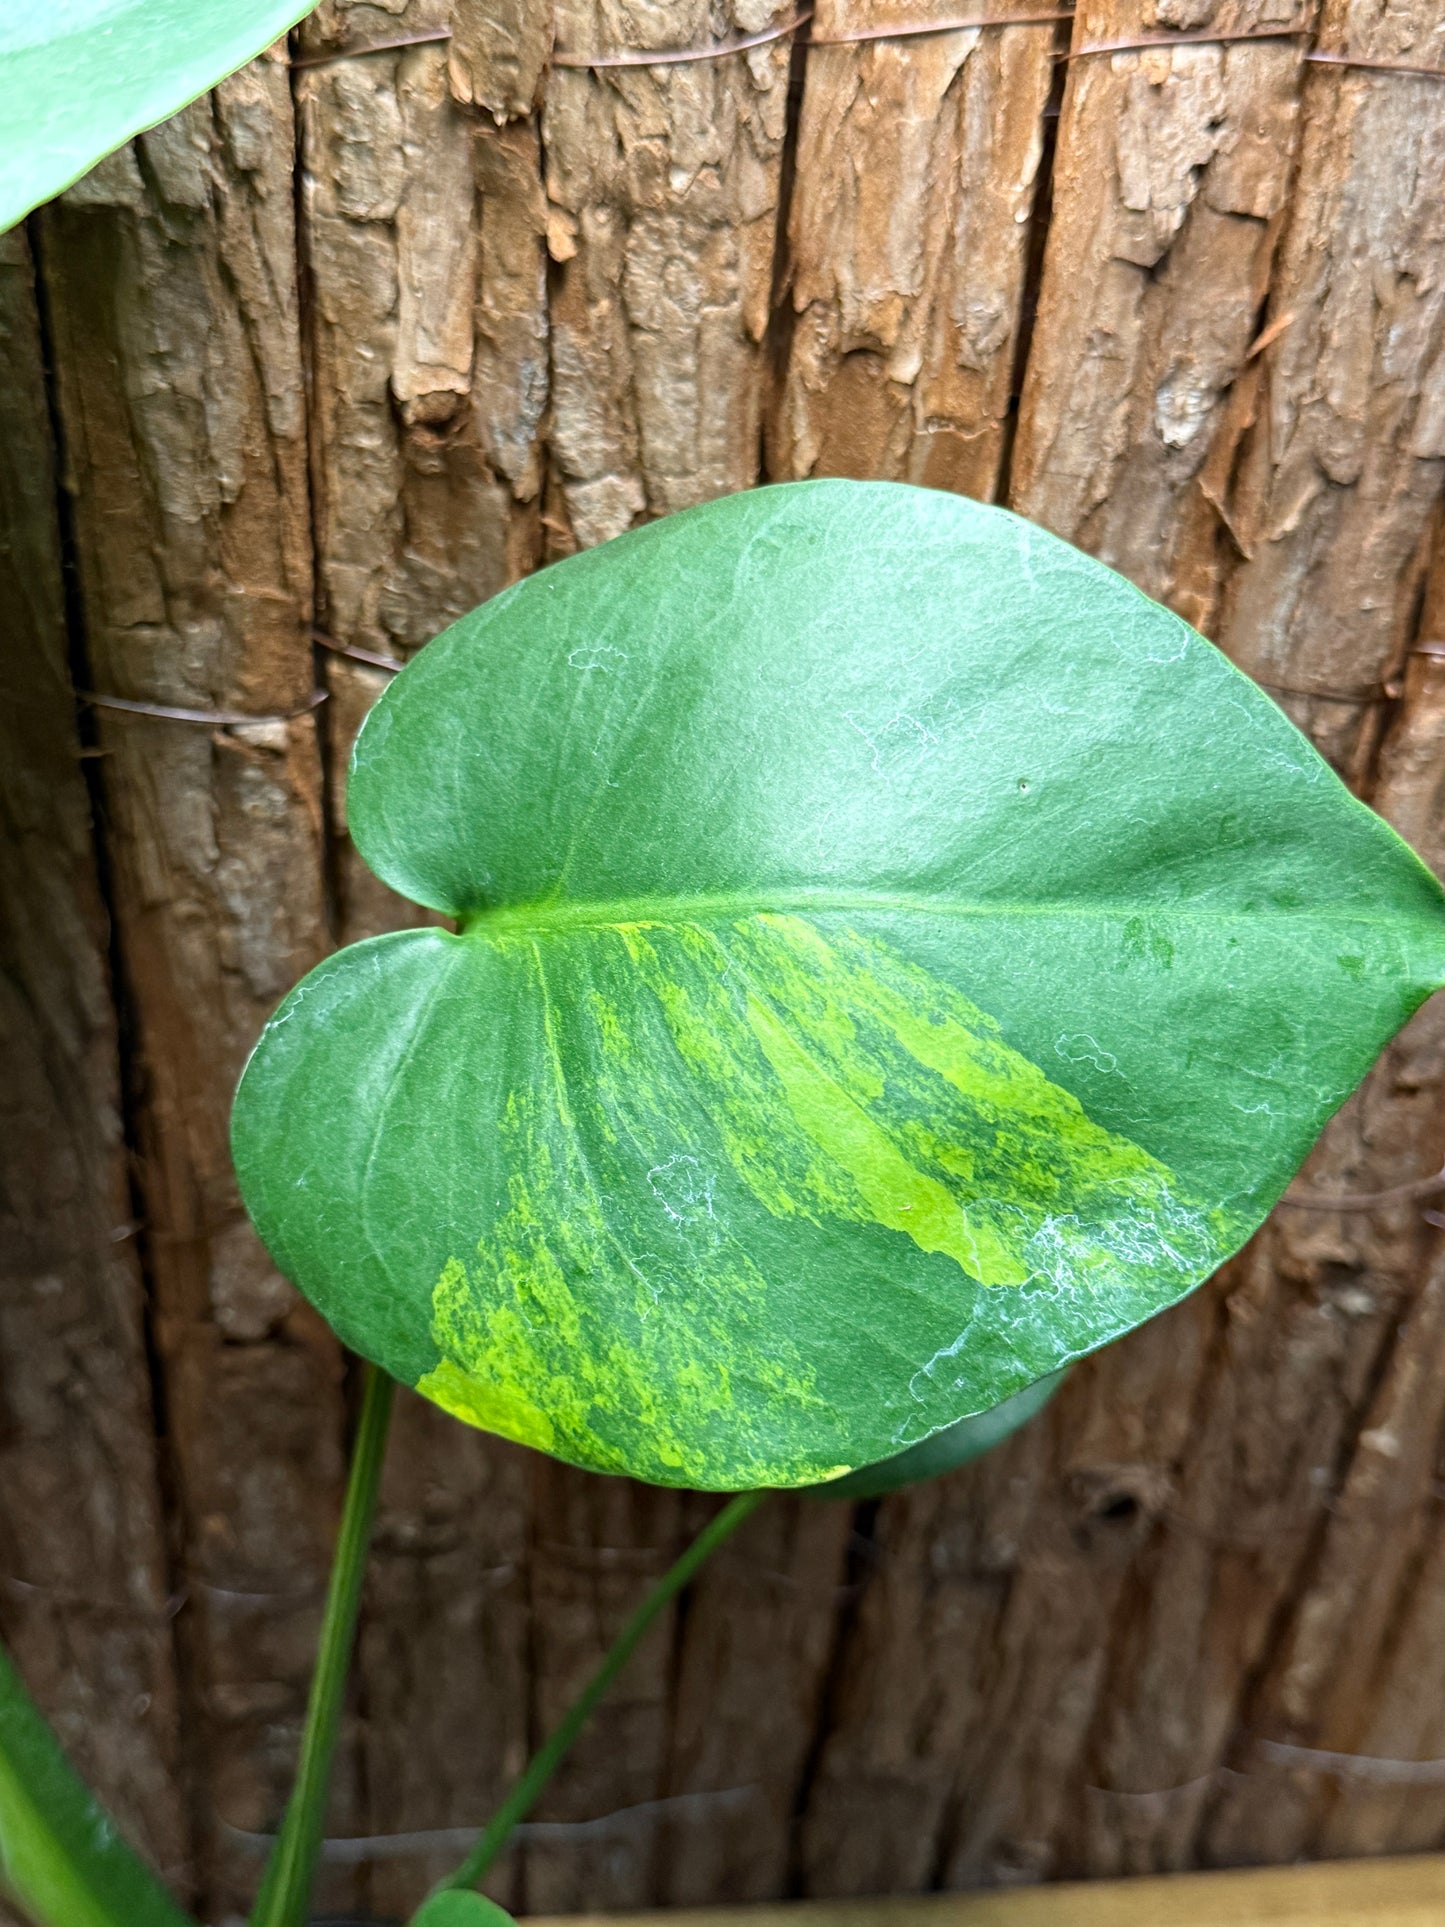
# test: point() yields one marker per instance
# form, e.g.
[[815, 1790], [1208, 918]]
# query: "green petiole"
[[286, 1887], [549, 1757]]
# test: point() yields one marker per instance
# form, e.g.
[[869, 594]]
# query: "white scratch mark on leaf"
[[1078, 1047], [592, 656]]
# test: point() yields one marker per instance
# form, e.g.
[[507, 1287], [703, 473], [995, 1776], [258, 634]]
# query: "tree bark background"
[[299, 377]]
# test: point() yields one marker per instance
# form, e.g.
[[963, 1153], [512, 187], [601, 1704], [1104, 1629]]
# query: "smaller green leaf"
[[61, 1858], [955, 1445], [459, 1908]]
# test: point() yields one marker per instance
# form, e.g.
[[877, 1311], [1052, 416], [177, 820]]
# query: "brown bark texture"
[[170, 278], [917, 179], [84, 1580], [1171, 174], [662, 191], [336, 354]]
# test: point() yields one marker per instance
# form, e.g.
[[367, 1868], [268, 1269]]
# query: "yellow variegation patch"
[[825, 1078]]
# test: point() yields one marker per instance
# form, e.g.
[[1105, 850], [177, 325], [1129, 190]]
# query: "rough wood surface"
[[83, 1571], [750, 1684], [1195, 1614], [597, 1546], [170, 274], [1356, 1646], [424, 455], [442, 1660], [683, 1787], [1342, 463], [662, 199], [918, 168], [425, 272], [1171, 175]]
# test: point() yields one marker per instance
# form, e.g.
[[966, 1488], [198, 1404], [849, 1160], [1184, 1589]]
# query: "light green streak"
[[893, 1191], [553, 918]]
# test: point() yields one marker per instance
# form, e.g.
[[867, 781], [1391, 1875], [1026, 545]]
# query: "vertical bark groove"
[[662, 194], [83, 1561], [171, 292], [1169, 181], [918, 166], [1340, 457]]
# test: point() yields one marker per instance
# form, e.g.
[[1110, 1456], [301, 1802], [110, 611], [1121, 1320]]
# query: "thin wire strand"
[[1203, 39], [1324, 59], [372, 47], [917, 30], [213, 718], [676, 56], [1377, 692], [352, 1850], [370, 656], [960, 24]]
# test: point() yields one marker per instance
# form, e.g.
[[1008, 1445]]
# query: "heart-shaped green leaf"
[[78, 77], [895, 958]]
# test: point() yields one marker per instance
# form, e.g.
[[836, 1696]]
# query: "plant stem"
[[286, 1888], [549, 1757]]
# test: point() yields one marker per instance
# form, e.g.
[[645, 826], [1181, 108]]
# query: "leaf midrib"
[[542, 919]]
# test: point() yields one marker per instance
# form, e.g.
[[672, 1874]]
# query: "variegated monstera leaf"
[[893, 958]]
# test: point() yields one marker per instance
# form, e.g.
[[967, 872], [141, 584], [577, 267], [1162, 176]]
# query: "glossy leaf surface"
[[945, 1451], [79, 77], [896, 958], [61, 1858]]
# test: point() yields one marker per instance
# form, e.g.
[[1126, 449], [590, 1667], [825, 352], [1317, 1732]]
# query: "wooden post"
[[85, 1590], [170, 277]]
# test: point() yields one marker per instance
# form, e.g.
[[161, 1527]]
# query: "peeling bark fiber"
[[297, 378]]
